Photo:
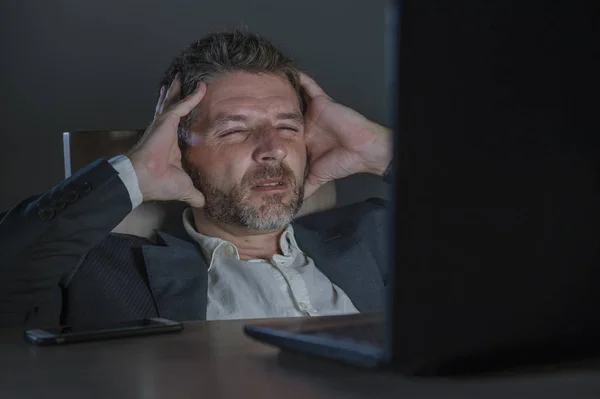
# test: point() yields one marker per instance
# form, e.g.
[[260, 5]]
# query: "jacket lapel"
[[347, 262], [178, 278]]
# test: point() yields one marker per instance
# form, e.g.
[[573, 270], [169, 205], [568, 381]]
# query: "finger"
[[173, 95], [161, 99], [194, 198], [184, 107], [311, 87], [311, 185], [310, 189], [166, 98]]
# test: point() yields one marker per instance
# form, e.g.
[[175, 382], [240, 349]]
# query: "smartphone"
[[67, 335]]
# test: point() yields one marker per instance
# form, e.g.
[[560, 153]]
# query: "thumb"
[[311, 185], [194, 198]]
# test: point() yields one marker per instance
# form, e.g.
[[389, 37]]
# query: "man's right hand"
[[156, 158]]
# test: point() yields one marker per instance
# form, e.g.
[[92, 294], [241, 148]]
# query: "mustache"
[[265, 172]]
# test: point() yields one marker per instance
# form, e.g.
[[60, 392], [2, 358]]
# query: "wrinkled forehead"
[[255, 95]]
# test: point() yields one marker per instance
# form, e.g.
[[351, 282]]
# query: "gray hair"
[[225, 52]]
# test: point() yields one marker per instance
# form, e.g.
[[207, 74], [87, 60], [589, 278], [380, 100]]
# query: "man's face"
[[246, 151]]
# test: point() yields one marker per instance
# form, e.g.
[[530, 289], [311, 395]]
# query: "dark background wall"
[[71, 65]]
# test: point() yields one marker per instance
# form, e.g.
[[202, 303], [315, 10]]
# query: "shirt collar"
[[213, 246]]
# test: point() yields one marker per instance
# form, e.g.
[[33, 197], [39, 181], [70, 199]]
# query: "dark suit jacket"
[[59, 263]]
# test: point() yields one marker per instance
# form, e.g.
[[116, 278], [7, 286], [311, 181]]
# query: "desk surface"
[[215, 360]]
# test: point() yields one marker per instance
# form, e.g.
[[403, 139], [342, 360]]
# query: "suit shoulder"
[[356, 213], [115, 248], [118, 241]]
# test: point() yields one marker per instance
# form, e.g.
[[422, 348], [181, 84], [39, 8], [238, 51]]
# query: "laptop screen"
[[497, 193]]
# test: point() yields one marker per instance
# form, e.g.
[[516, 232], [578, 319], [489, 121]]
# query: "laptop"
[[495, 239]]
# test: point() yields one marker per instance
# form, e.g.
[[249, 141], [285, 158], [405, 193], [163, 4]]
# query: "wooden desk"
[[215, 360]]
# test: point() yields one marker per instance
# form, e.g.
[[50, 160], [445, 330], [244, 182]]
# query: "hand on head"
[[340, 141], [156, 158]]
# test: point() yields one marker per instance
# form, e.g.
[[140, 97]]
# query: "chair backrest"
[[81, 148]]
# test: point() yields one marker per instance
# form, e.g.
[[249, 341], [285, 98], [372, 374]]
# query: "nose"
[[270, 147]]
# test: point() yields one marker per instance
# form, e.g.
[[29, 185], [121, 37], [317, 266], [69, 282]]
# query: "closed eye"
[[230, 132], [291, 128]]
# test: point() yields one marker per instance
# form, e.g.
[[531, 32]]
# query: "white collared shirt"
[[286, 285]]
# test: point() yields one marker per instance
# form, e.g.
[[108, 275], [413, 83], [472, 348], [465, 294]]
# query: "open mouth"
[[266, 185], [270, 184]]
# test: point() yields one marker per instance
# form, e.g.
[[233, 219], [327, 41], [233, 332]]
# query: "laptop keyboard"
[[367, 333]]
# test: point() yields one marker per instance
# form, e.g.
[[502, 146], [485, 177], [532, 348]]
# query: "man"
[[236, 125]]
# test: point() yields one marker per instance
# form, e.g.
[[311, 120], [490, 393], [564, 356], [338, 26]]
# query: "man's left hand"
[[340, 141]]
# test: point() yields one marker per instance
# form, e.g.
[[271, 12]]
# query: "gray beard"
[[232, 208]]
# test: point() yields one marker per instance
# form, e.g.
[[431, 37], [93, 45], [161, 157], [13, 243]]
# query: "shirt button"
[[71, 196], [230, 250], [59, 204], [303, 306], [86, 187], [46, 213]]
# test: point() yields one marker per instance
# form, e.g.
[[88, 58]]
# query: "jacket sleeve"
[[44, 238]]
